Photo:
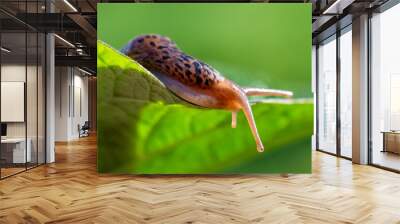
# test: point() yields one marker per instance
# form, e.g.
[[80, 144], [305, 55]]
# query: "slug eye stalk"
[[249, 114], [267, 92]]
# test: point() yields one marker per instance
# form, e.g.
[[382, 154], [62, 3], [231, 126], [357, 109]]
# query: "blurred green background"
[[144, 129], [260, 45]]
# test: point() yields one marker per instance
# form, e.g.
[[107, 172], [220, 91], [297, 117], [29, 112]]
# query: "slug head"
[[145, 46]]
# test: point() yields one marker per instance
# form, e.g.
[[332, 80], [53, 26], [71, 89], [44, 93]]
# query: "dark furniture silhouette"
[[84, 129]]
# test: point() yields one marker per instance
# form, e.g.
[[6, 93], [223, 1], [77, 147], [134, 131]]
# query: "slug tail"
[[267, 92]]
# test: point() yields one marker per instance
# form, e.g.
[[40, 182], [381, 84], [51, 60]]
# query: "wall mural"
[[204, 88]]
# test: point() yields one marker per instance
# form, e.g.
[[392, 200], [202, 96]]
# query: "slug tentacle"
[[267, 92], [234, 119], [250, 119]]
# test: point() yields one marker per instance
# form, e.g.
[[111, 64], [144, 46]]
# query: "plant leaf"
[[143, 128]]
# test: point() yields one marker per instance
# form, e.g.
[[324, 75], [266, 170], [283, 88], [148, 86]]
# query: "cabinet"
[[391, 141]]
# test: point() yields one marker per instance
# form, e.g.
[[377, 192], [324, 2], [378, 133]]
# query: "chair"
[[84, 130]]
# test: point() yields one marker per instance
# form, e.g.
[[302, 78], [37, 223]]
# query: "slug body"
[[193, 80]]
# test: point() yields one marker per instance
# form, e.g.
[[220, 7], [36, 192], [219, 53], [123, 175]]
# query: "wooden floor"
[[387, 159], [70, 191], [5, 172]]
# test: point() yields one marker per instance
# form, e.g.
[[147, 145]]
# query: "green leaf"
[[143, 128]]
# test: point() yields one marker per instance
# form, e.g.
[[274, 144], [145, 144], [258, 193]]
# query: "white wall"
[[16, 73], [62, 81], [71, 102], [80, 109], [33, 127], [13, 101], [9, 73], [13, 72]]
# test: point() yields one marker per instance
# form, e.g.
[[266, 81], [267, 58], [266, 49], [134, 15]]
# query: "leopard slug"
[[195, 81]]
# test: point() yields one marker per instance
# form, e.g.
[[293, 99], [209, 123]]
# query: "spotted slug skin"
[[193, 80], [184, 75]]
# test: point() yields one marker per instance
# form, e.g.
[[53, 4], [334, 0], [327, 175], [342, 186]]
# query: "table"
[[16, 147]]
